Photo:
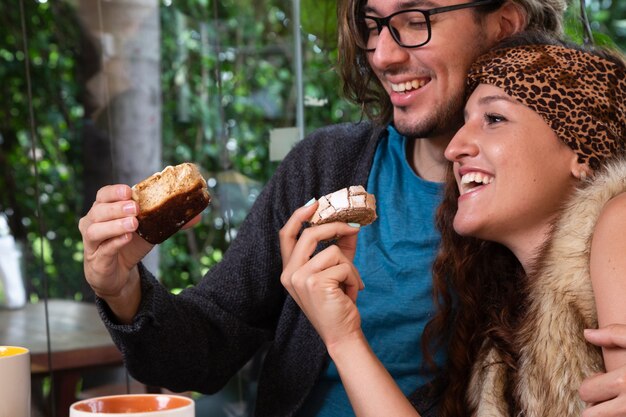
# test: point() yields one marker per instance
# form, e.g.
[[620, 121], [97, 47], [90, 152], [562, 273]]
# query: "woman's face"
[[512, 171]]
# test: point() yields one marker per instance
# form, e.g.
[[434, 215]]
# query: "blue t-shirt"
[[394, 257]]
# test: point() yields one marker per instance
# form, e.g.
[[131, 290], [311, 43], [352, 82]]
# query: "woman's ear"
[[581, 171]]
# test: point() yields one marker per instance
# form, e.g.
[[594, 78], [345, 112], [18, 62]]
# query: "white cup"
[[14, 381], [136, 405]]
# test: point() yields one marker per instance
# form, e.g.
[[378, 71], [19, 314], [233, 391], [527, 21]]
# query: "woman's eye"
[[492, 118]]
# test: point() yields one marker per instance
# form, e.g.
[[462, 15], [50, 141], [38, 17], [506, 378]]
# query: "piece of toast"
[[169, 199], [350, 205]]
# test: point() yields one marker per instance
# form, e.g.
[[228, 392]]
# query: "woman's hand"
[[324, 286]]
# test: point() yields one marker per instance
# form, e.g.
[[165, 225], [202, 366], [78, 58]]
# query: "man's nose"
[[388, 53]]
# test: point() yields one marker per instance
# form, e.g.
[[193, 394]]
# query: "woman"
[[540, 265], [533, 238]]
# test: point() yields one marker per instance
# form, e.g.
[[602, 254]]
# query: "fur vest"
[[554, 356]]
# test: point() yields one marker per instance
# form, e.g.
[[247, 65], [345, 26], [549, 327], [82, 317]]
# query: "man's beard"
[[445, 120]]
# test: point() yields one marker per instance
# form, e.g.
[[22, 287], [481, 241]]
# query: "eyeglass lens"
[[408, 28]]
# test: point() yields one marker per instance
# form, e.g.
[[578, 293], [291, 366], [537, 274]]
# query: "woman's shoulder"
[[608, 244], [611, 182], [613, 216]]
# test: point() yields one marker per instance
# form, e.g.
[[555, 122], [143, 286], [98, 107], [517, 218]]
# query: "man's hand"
[[112, 249], [606, 393]]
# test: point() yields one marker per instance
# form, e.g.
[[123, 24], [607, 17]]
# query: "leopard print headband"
[[581, 96]]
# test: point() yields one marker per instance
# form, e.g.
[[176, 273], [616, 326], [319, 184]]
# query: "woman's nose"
[[462, 145], [388, 53]]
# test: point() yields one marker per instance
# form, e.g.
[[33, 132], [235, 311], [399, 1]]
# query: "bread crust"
[[349, 205], [180, 192]]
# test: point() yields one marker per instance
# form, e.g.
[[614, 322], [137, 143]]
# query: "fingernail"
[[130, 208], [121, 192], [355, 225], [310, 202], [128, 224]]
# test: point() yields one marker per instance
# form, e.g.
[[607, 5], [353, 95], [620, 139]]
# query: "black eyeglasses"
[[409, 28]]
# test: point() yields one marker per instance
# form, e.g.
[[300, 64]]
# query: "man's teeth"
[[407, 86], [476, 177]]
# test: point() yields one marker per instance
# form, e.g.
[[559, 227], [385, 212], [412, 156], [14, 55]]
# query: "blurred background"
[[122, 88], [94, 92]]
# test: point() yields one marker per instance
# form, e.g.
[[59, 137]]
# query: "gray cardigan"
[[199, 339]]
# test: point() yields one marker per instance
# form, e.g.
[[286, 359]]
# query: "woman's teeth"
[[408, 86], [474, 179]]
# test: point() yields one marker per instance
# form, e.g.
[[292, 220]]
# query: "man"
[[606, 392], [200, 338]]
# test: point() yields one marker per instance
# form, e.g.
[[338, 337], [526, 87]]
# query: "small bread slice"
[[169, 199], [350, 205]]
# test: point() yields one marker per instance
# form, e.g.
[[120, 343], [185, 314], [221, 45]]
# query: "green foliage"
[[607, 20], [227, 79], [225, 86], [52, 40]]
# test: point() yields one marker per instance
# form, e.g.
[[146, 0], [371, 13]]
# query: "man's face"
[[426, 84]]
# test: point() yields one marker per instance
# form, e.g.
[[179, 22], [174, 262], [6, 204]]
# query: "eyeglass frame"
[[382, 22]]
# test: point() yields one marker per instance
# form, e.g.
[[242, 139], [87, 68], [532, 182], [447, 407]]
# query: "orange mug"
[[137, 405]]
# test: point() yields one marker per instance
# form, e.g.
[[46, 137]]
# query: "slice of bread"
[[350, 205], [169, 199]]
